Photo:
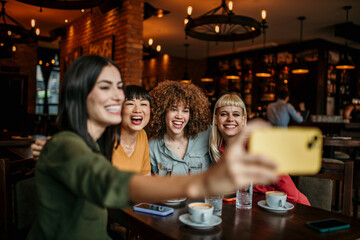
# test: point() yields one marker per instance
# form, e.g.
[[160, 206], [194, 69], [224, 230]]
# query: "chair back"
[[17, 197], [331, 188]]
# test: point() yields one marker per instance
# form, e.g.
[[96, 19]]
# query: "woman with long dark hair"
[[74, 180]]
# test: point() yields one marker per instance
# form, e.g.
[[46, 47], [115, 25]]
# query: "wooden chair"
[[332, 185], [17, 197]]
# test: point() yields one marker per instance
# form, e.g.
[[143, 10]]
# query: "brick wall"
[[124, 23], [166, 67], [23, 62]]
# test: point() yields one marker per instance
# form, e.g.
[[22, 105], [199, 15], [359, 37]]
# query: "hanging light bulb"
[[150, 42], [158, 48], [263, 15], [217, 29], [13, 48], [9, 33], [160, 13], [231, 5], [32, 22], [37, 31], [189, 11], [186, 21]]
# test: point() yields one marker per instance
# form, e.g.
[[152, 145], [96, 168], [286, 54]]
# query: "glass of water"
[[165, 169], [195, 167], [244, 198], [216, 202]]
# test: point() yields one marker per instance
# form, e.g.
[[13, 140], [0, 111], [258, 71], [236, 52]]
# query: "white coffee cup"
[[275, 199], [200, 212]]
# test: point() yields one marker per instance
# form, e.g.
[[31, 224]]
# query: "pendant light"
[[233, 73], [345, 63], [264, 72], [207, 76], [300, 67], [186, 77]]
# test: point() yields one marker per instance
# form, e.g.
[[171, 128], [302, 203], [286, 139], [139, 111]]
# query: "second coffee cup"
[[275, 199], [200, 212]]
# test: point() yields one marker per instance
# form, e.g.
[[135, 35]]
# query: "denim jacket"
[[197, 150]]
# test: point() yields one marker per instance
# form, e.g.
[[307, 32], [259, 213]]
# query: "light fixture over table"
[[300, 67], [12, 32], [264, 71], [345, 63], [221, 25]]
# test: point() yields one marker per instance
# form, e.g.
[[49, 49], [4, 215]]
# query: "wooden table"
[[237, 224]]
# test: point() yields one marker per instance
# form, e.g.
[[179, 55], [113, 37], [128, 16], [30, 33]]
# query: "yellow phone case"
[[296, 150]]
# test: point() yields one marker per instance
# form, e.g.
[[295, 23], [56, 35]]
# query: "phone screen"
[[328, 224], [152, 207]]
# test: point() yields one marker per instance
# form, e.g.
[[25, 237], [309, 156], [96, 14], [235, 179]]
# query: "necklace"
[[172, 143]]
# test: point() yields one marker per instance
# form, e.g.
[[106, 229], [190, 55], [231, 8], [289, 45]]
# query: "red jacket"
[[284, 184]]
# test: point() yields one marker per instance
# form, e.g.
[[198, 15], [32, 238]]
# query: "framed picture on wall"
[[103, 47]]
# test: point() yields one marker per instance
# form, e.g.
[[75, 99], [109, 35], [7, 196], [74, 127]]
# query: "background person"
[[75, 182], [280, 112], [179, 126], [229, 120]]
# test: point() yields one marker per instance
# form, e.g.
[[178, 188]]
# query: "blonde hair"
[[216, 139]]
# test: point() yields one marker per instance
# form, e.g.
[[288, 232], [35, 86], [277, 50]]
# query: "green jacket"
[[73, 187]]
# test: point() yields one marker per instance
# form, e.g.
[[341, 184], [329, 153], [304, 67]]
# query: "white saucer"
[[288, 206], [174, 202], [185, 218]]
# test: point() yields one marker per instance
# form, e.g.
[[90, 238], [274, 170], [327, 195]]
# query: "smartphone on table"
[[295, 150], [153, 209], [328, 225], [229, 197]]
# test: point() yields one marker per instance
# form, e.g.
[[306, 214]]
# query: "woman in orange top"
[[131, 151]]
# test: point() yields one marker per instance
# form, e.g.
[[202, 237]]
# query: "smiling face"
[[230, 121], [135, 114], [176, 118], [104, 101]]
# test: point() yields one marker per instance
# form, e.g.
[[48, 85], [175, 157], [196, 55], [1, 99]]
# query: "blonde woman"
[[228, 120]]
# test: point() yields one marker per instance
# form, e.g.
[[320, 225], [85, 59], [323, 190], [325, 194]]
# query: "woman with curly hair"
[[179, 127]]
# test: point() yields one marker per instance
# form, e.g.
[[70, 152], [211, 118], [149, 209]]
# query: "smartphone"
[[229, 197], [296, 150], [153, 209], [328, 225]]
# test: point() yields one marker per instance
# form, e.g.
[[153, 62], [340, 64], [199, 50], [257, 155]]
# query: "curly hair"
[[169, 93]]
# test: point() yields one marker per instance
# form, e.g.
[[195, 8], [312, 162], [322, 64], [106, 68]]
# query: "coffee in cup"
[[275, 199], [200, 212]]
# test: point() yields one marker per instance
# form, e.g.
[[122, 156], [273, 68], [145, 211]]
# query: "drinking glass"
[[165, 169], [194, 167], [244, 198], [216, 202]]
